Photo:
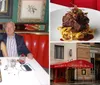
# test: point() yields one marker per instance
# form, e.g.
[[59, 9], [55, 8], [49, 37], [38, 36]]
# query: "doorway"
[[71, 74], [97, 70], [97, 67], [59, 75]]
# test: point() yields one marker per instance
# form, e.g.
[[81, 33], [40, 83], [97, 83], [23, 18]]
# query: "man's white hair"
[[10, 22]]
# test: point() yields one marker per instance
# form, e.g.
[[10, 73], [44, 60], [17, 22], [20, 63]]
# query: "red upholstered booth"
[[38, 44], [94, 4]]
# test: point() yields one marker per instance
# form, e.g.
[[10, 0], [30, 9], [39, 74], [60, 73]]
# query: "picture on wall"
[[26, 27], [30, 27], [3, 6], [31, 10], [6, 7]]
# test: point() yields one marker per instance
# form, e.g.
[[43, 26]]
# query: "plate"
[[56, 21]]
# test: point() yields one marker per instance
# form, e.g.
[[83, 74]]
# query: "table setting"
[[14, 72]]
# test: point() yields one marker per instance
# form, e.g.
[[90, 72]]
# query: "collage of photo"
[[49, 42]]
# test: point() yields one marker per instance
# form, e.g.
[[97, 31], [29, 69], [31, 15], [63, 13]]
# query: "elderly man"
[[14, 42]]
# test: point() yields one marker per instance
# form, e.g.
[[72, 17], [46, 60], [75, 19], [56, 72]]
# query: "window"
[[59, 52]]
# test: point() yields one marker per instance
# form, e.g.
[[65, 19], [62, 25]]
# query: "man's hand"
[[30, 56]]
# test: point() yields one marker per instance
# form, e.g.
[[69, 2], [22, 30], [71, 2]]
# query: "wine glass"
[[12, 63], [22, 59]]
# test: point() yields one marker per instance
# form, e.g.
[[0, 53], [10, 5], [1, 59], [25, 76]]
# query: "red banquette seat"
[[38, 44], [94, 4]]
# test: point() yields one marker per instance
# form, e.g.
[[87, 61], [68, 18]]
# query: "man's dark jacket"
[[21, 47]]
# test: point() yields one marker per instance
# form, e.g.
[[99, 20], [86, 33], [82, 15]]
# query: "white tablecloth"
[[37, 76]]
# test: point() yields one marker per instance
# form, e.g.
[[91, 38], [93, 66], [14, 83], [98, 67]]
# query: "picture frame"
[[6, 9], [83, 71], [31, 10], [28, 27]]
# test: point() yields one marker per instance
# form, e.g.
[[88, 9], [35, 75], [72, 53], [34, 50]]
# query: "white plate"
[[56, 21]]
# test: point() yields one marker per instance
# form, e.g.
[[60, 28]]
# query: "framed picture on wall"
[[31, 10], [6, 9], [83, 71], [30, 27], [27, 27]]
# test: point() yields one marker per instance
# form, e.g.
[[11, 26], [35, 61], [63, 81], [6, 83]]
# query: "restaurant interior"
[[31, 19], [35, 33]]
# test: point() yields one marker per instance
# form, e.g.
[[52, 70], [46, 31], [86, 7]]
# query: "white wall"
[[67, 47]]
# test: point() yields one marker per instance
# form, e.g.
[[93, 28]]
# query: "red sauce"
[[87, 37], [61, 39]]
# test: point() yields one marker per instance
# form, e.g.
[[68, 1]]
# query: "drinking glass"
[[12, 63], [22, 59]]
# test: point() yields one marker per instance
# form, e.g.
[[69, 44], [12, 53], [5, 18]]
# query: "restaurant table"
[[18, 76]]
